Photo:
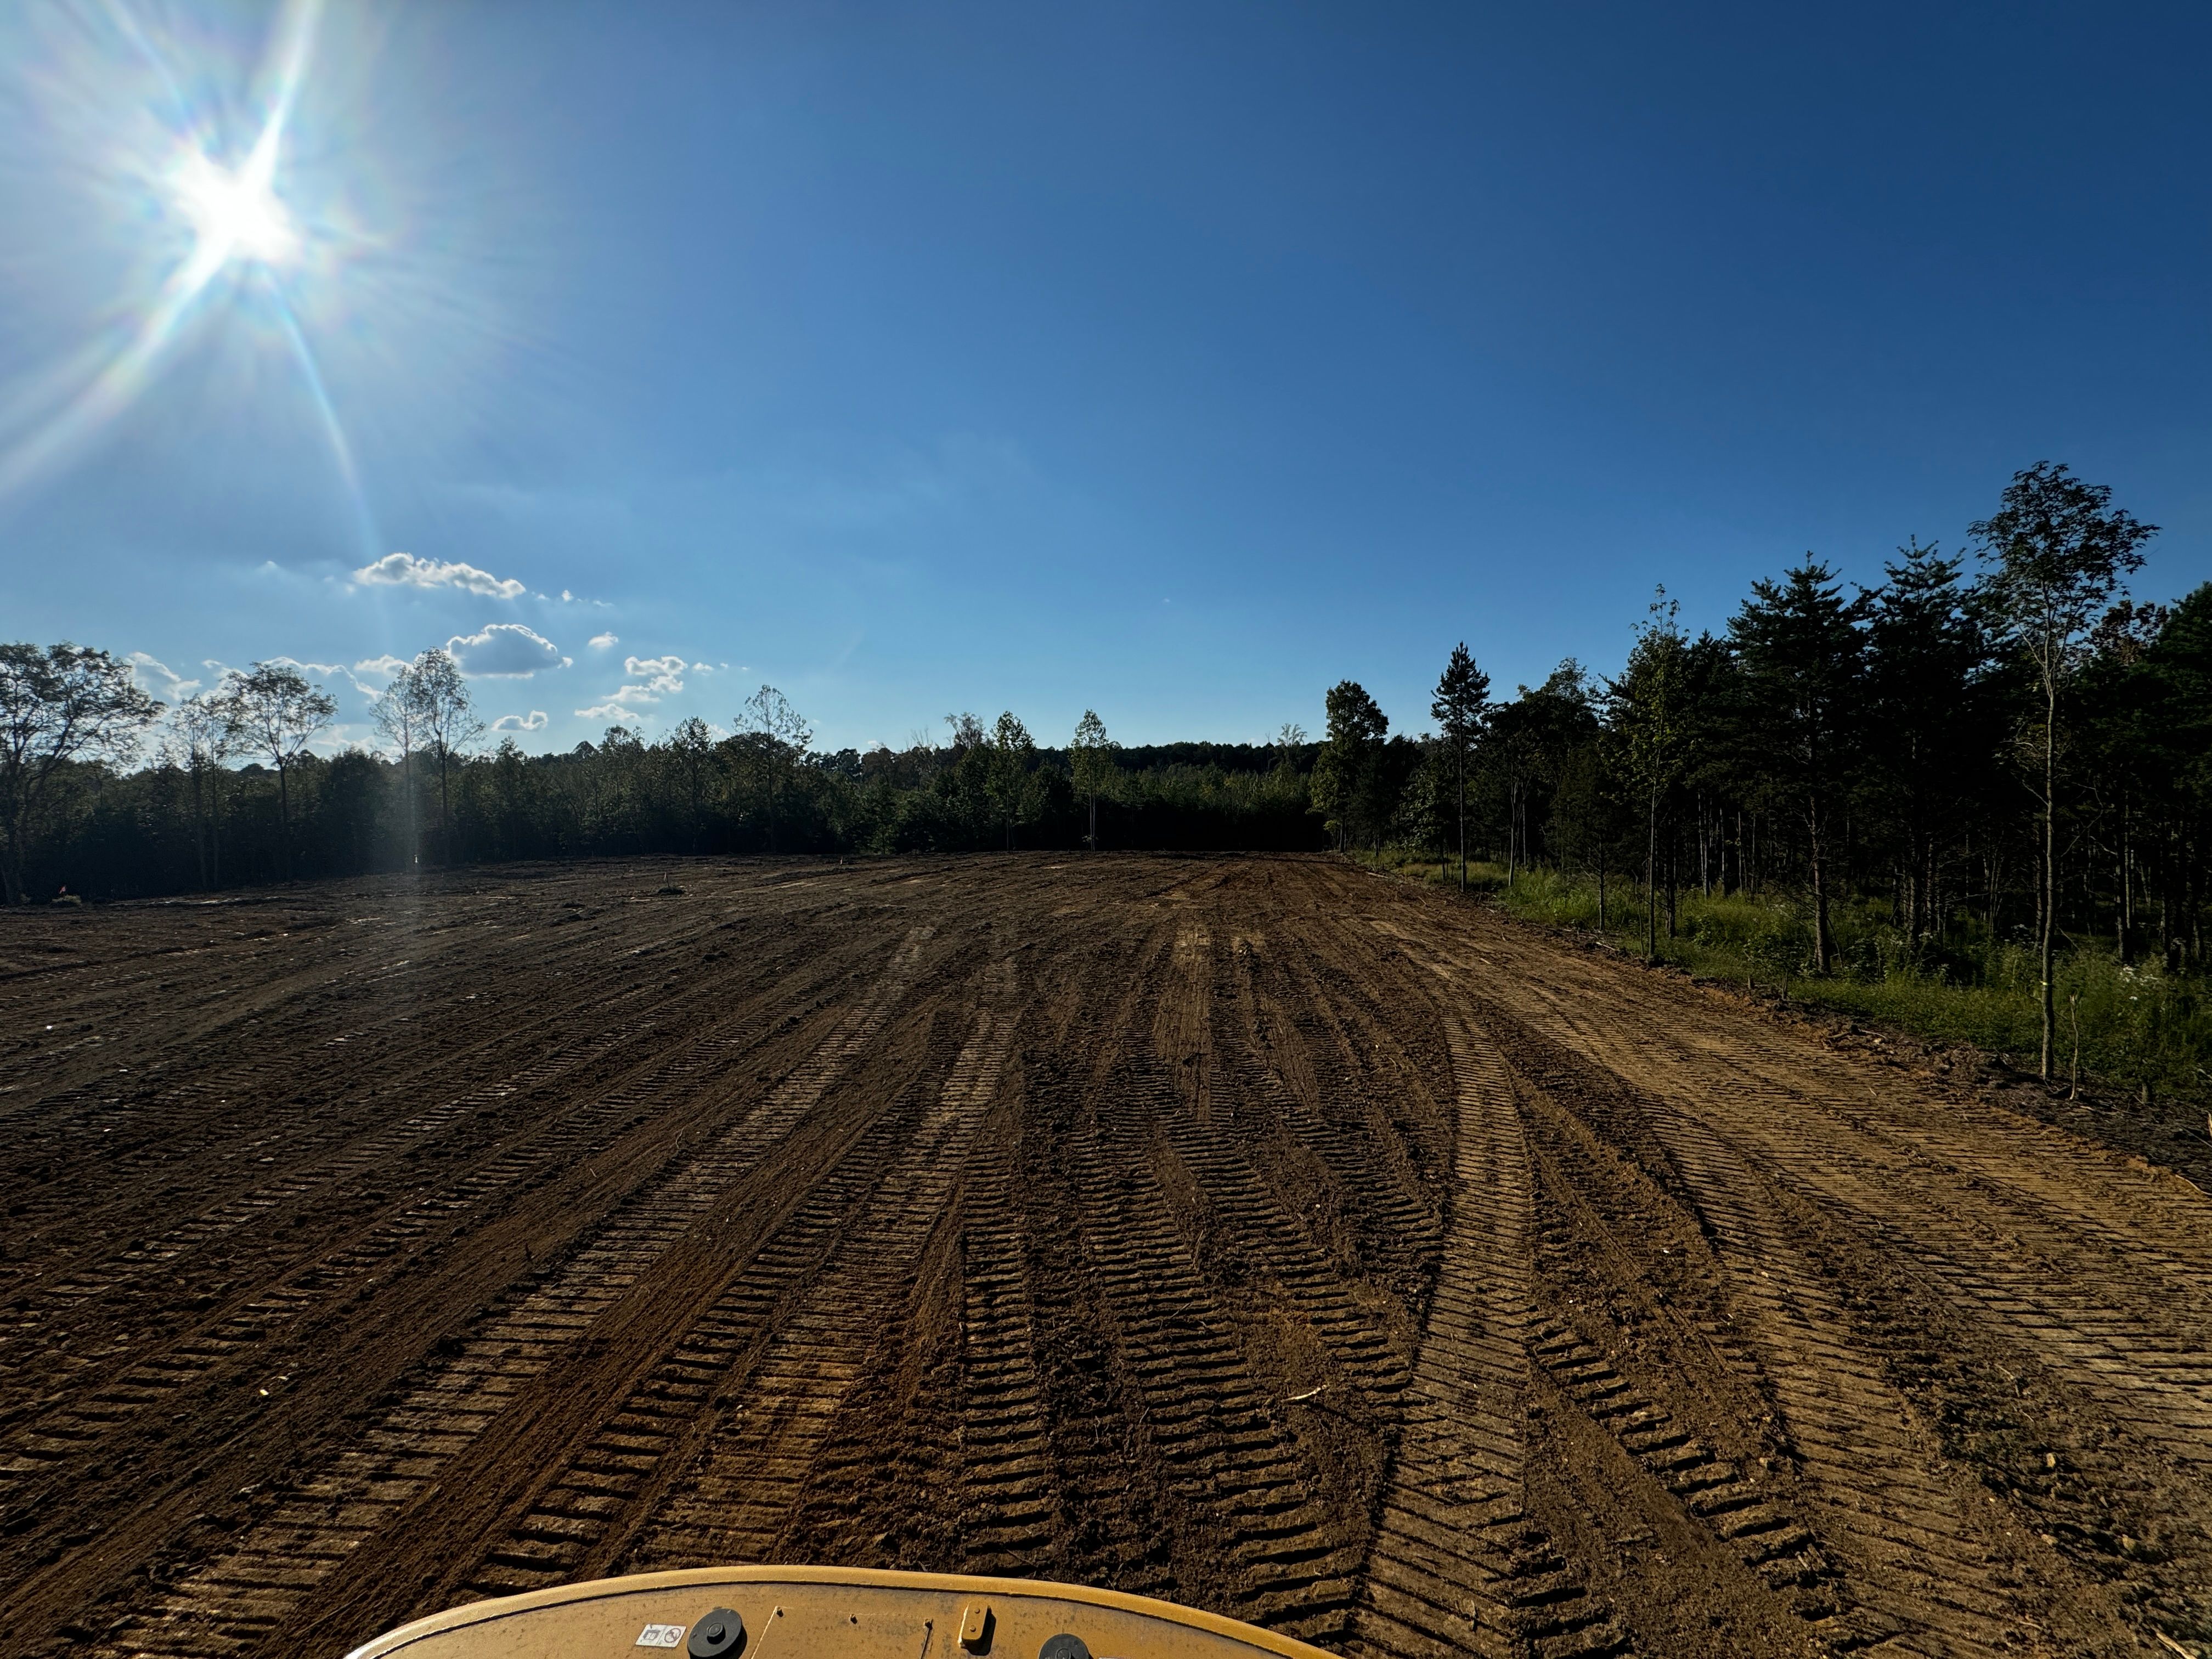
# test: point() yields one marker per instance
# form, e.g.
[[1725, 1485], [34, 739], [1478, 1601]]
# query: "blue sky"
[[1175, 361]]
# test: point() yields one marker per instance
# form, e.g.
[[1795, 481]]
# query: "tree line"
[[1995, 743], [105, 793], [1998, 743]]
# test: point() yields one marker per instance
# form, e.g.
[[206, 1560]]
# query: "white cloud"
[[157, 678], [601, 641], [386, 664], [658, 676], [703, 668], [505, 650], [533, 721], [405, 570], [608, 711], [662, 674]]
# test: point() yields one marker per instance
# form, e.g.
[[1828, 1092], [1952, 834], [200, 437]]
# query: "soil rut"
[[1252, 1232]]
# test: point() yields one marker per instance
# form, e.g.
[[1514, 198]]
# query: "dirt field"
[[1255, 1233]]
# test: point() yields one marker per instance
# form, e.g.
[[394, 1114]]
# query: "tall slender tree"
[[396, 714], [275, 710], [1090, 757], [2054, 554], [780, 734], [692, 747], [203, 742], [1012, 753], [1462, 695], [1648, 715], [449, 725]]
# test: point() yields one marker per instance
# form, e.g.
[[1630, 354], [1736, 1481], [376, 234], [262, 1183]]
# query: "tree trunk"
[[1512, 829], [1461, 753], [2127, 891], [2049, 864], [1652, 878], [11, 865], [1673, 875], [284, 815], [1823, 945], [199, 827]]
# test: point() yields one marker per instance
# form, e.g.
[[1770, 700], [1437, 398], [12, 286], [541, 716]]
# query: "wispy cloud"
[[405, 570], [386, 665], [608, 711], [602, 641], [323, 670]]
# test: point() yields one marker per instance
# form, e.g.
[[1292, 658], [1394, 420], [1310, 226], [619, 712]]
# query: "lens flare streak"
[[240, 229]]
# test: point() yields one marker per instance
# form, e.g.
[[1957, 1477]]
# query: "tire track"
[[259, 1586], [1457, 1565], [751, 1473]]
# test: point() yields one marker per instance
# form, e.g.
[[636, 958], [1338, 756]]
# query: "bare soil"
[[1252, 1232]]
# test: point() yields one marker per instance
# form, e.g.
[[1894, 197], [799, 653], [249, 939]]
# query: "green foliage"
[[2138, 1024], [1349, 789], [60, 706]]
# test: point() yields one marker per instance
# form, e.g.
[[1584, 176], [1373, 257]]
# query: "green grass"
[[2138, 1026]]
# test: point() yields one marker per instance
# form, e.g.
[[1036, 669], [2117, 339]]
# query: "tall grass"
[[2137, 1026]]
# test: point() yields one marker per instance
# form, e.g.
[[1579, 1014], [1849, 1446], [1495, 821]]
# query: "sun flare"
[[234, 215]]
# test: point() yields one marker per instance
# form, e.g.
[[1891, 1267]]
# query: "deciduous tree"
[[1347, 772], [397, 714], [449, 724], [2054, 553], [1649, 712], [1013, 753], [783, 736], [1090, 758], [275, 710], [204, 742], [58, 704]]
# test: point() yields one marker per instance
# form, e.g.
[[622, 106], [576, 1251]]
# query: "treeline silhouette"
[[194, 816], [1994, 749]]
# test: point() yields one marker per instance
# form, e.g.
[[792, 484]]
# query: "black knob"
[[1063, 1646], [717, 1636]]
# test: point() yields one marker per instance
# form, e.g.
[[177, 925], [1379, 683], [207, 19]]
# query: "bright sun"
[[235, 215]]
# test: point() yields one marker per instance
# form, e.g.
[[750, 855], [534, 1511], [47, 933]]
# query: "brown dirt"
[[1254, 1232]]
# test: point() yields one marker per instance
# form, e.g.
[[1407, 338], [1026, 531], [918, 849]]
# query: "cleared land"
[[1252, 1232]]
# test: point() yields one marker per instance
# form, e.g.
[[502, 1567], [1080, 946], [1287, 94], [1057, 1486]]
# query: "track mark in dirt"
[[746, 1481], [1457, 1565], [1251, 1232], [257, 1587]]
